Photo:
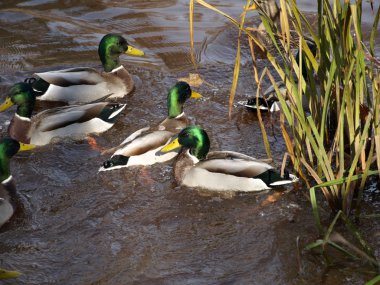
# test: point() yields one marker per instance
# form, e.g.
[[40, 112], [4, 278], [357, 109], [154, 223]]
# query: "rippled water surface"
[[136, 226]]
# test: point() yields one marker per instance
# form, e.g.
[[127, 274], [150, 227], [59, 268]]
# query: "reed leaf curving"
[[337, 139]]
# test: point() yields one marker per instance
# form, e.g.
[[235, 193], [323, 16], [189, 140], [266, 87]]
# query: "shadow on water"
[[136, 226]]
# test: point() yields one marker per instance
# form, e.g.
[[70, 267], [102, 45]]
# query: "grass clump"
[[333, 142]]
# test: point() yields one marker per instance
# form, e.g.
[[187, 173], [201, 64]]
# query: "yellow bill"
[[195, 95], [171, 146], [134, 51], [24, 146], [6, 105]]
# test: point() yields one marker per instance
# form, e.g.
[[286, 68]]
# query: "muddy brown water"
[[136, 226]]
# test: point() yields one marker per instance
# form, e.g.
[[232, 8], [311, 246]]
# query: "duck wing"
[[140, 149], [134, 135], [240, 167], [60, 117], [72, 76], [237, 165], [7, 203], [143, 142], [224, 175], [174, 124], [234, 155]]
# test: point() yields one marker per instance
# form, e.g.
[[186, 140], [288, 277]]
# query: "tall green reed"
[[337, 138], [334, 144]]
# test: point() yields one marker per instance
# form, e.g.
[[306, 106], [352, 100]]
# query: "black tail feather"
[[270, 176], [115, 161], [110, 112], [39, 85]]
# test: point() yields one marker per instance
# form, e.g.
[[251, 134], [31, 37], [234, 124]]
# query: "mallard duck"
[[57, 122], [84, 84], [8, 148], [269, 9], [269, 100], [141, 147], [220, 170]]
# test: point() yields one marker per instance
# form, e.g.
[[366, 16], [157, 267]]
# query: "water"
[[136, 226]]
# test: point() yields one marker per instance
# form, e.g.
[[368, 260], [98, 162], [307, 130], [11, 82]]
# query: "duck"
[[87, 85], [270, 9], [8, 148], [220, 171], [140, 148], [55, 123], [267, 8], [269, 100]]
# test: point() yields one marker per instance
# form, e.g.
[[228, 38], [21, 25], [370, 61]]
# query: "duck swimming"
[[8, 148], [141, 147], [269, 100], [84, 84], [59, 122], [220, 170]]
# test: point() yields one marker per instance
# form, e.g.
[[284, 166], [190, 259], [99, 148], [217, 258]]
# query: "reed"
[[334, 145]]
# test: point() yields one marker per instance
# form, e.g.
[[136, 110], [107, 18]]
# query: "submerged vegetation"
[[333, 143]]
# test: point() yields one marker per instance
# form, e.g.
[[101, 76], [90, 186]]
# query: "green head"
[[111, 47], [305, 61], [194, 138], [177, 96], [8, 148], [22, 95]]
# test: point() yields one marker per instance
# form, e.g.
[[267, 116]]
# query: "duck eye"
[[186, 134]]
